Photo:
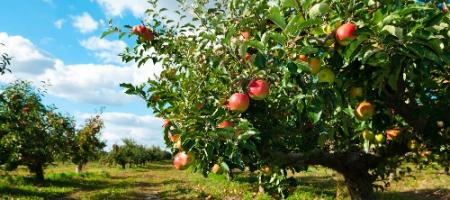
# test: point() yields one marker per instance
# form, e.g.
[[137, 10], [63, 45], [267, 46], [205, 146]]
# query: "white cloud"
[[144, 129], [105, 50], [118, 7], [86, 83], [85, 23], [27, 58], [59, 23]]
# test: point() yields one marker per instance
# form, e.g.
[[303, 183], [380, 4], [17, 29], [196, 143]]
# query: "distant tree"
[[87, 144], [131, 153], [31, 133], [5, 61]]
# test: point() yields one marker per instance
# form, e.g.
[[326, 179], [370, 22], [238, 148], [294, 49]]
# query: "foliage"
[[5, 60], [87, 144], [399, 57], [132, 153], [31, 133]]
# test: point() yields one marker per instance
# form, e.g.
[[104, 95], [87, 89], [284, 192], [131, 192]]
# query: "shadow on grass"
[[17, 192], [427, 194], [56, 186]]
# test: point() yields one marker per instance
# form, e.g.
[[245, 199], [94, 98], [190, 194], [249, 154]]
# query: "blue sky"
[[59, 42]]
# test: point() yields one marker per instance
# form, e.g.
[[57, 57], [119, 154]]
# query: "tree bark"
[[359, 185], [79, 168], [353, 165], [38, 170]]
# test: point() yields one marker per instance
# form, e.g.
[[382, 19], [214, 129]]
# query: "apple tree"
[[359, 87], [31, 133], [87, 145]]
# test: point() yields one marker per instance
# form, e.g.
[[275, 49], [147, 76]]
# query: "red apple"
[[225, 124], [344, 34], [364, 110], [216, 169], [143, 32], [174, 137], [392, 133], [248, 57], [245, 35], [238, 102], [166, 123], [181, 160], [303, 58], [314, 64], [25, 109], [258, 89]]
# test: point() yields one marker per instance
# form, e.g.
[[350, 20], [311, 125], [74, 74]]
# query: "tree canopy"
[[356, 86]]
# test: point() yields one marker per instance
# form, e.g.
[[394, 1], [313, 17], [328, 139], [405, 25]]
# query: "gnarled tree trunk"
[[359, 184], [38, 170], [353, 165]]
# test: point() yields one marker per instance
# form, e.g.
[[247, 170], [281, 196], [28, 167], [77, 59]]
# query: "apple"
[[326, 76], [174, 137], [364, 110], [238, 102], [412, 144], [199, 106], [392, 133], [225, 124], [25, 109], [244, 36], [143, 32], [368, 135], [248, 57], [166, 123], [379, 138], [314, 64], [216, 169], [344, 34], [181, 160], [258, 89], [356, 92], [303, 58], [266, 170], [318, 9]]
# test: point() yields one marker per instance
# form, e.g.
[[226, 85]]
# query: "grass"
[[161, 181]]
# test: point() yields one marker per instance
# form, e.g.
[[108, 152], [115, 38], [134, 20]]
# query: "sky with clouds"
[[59, 42]]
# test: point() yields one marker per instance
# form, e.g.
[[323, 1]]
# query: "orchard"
[[360, 87]]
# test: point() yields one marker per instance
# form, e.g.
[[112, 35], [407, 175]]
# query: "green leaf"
[[260, 61], [395, 31], [276, 17], [292, 67], [225, 167], [257, 45], [292, 27]]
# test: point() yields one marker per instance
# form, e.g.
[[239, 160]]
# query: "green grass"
[[161, 181]]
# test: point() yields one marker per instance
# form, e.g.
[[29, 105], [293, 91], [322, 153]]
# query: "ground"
[[161, 181]]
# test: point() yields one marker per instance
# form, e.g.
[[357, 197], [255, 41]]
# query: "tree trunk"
[[38, 170], [359, 185], [79, 168], [123, 166]]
